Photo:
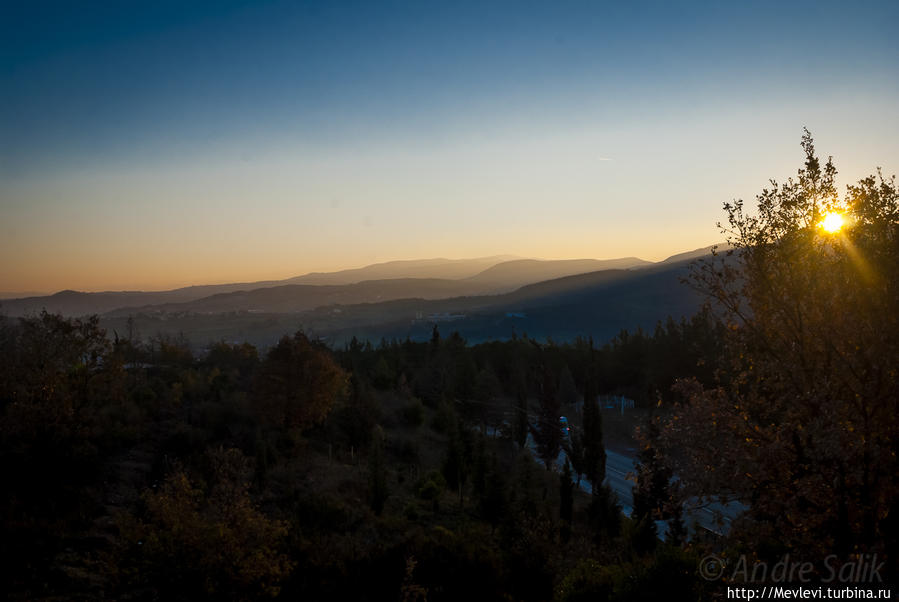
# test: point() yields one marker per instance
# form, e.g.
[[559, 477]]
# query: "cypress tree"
[[548, 433], [566, 501], [594, 447]]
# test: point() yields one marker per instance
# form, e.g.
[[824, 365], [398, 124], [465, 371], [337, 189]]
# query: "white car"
[[566, 430]]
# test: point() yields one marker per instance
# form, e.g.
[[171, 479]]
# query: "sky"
[[151, 145]]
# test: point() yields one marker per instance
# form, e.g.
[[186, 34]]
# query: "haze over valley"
[[483, 298]]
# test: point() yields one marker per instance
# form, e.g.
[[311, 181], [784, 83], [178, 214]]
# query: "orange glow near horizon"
[[93, 268]]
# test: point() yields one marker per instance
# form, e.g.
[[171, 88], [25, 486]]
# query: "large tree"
[[298, 382], [803, 424]]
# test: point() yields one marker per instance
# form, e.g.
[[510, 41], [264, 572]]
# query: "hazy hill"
[[75, 303], [373, 283], [19, 295], [293, 298], [448, 269], [520, 280], [696, 253], [302, 297], [510, 275], [597, 304]]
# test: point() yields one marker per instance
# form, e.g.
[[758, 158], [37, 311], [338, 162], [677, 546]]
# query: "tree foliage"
[[298, 382], [594, 446], [212, 543], [548, 432], [803, 425]]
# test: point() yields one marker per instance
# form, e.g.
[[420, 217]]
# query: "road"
[[620, 470]]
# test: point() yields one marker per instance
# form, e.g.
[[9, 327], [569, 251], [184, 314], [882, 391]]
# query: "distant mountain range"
[[428, 279], [292, 298], [440, 268], [558, 299], [598, 303], [511, 275], [19, 294]]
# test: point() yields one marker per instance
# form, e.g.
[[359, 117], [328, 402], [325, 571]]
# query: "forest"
[[397, 470]]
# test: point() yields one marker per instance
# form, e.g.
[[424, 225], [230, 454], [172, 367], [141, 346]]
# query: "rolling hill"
[[511, 275], [428, 279], [440, 268], [294, 298], [597, 304], [76, 303]]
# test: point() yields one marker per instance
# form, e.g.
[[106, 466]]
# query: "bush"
[[444, 418], [196, 543], [414, 413]]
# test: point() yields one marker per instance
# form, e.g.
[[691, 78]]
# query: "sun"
[[832, 222]]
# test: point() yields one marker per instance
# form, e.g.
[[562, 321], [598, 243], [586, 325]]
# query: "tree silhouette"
[[298, 382], [803, 424], [548, 432], [566, 500], [594, 446]]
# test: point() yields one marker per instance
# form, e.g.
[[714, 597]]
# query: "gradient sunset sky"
[[159, 144]]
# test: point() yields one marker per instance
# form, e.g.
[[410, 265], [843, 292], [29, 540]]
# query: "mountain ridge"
[[272, 295]]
